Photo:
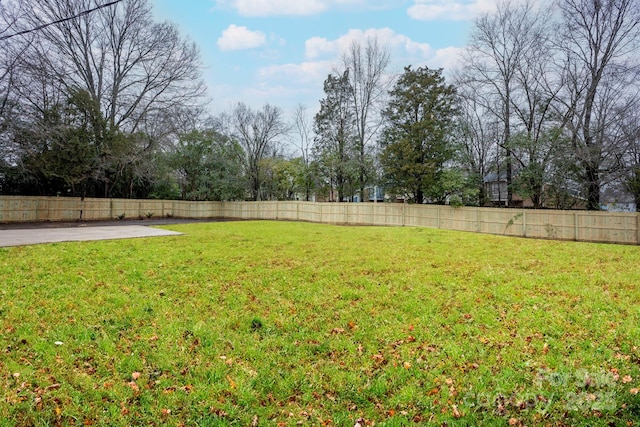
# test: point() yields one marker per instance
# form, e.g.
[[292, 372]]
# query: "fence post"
[[524, 223], [373, 214], [638, 228], [438, 216], [576, 228]]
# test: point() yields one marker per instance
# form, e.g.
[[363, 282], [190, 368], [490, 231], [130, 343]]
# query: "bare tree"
[[477, 133], [537, 144], [260, 134], [630, 128], [303, 142], [131, 66], [500, 43], [6, 61], [139, 76], [366, 66], [600, 40], [10, 53]]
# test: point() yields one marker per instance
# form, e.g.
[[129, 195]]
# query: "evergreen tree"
[[415, 142]]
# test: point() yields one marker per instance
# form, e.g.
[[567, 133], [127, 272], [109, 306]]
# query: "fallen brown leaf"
[[456, 412]]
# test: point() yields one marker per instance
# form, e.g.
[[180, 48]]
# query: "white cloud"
[[461, 10], [285, 96], [416, 48], [275, 7], [447, 58], [306, 72], [287, 84], [239, 38], [452, 10], [301, 7], [282, 85], [317, 47]]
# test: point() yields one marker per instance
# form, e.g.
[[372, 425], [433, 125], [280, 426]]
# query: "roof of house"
[[493, 177]]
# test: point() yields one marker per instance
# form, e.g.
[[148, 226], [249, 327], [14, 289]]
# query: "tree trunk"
[[593, 188]]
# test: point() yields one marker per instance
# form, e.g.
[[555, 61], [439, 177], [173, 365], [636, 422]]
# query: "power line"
[[59, 21]]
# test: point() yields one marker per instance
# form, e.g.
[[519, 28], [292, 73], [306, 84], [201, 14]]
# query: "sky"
[[281, 51]]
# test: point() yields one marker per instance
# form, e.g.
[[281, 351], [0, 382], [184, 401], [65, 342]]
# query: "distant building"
[[371, 194], [616, 199], [495, 187]]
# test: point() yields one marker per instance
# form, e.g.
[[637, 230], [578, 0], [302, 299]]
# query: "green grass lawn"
[[284, 324]]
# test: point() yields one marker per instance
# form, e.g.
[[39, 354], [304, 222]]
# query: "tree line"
[[110, 103]]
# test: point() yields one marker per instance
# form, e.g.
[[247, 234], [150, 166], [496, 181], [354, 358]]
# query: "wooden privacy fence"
[[606, 227]]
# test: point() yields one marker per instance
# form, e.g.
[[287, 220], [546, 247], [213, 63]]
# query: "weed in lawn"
[[316, 324]]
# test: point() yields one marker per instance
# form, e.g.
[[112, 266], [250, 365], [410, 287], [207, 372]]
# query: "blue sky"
[[280, 51]]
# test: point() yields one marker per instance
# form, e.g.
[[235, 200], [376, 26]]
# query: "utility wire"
[[59, 21]]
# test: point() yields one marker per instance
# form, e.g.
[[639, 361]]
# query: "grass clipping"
[[272, 323]]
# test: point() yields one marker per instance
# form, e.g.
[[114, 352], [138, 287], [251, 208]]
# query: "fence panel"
[[18, 209], [603, 227], [359, 213], [201, 210], [178, 209], [268, 210], [96, 209], [393, 213], [548, 224], [461, 219], [125, 208], [288, 211], [422, 216], [334, 213], [507, 222], [58, 209], [150, 208], [309, 211], [232, 210]]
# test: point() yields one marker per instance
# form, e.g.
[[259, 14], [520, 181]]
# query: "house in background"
[[616, 199], [495, 187], [371, 194]]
